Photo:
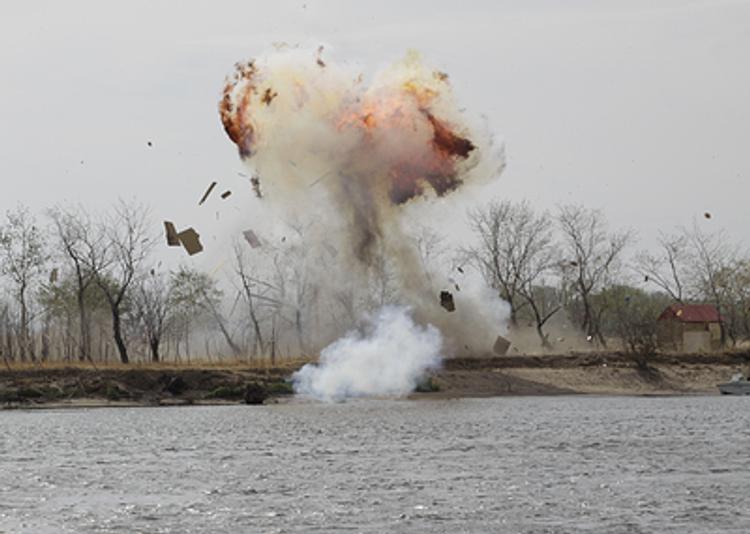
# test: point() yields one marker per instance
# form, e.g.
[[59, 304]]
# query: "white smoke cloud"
[[387, 359]]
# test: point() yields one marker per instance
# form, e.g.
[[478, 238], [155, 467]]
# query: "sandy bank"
[[588, 373]]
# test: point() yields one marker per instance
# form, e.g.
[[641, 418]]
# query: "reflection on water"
[[547, 464]]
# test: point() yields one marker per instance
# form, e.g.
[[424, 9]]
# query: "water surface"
[[534, 464]]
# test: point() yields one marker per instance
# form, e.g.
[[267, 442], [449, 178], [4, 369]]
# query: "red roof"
[[691, 313]]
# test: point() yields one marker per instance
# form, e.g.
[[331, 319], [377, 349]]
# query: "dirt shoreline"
[[568, 374]]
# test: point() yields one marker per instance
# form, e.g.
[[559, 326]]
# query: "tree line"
[[569, 262], [84, 286]]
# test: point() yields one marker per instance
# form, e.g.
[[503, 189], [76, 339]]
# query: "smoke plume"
[[348, 163], [388, 357]]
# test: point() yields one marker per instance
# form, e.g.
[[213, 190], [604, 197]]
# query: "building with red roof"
[[690, 328]]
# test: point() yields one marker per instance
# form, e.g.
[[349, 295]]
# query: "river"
[[523, 464]]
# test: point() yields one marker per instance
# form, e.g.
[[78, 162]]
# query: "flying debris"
[[460, 269], [707, 215], [149, 143], [255, 181], [251, 238], [330, 249], [53, 276], [226, 194], [440, 75], [446, 301], [501, 346], [318, 58], [191, 241], [268, 96], [208, 192], [171, 233]]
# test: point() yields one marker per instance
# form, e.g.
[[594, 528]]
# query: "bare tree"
[[544, 302], [153, 309], [594, 255], [194, 291], [252, 290], [115, 254], [738, 308], [667, 268], [430, 247], [713, 264], [22, 258], [513, 249], [72, 229]]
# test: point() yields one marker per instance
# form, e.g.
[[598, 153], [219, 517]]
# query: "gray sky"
[[638, 108]]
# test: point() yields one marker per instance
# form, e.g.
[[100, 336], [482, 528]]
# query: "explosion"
[[351, 158], [400, 109]]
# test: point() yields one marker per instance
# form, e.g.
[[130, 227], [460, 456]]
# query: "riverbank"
[[78, 386], [588, 373], [582, 373]]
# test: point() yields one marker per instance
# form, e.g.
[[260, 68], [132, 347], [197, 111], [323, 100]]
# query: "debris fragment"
[[149, 143], [707, 215], [53, 276], [251, 238], [460, 270], [320, 179], [318, 59], [268, 96], [190, 239], [171, 232], [255, 181], [208, 192], [226, 194], [646, 278], [440, 75], [331, 249], [446, 301], [501, 346]]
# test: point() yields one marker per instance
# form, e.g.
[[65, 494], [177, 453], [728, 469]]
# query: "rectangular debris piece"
[[251, 238], [191, 241], [225, 194], [501, 346], [255, 182], [331, 249], [208, 192], [171, 233], [53, 276], [446, 301]]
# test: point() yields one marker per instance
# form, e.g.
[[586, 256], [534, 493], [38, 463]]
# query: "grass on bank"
[[231, 364]]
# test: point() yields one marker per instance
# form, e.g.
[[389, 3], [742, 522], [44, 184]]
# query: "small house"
[[690, 328]]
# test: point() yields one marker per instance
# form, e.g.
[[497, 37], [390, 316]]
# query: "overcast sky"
[[638, 108]]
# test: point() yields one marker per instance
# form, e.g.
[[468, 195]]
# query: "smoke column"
[[389, 358], [348, 163]]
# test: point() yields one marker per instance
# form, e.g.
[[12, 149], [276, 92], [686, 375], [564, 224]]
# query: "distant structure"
[[690, 328]]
